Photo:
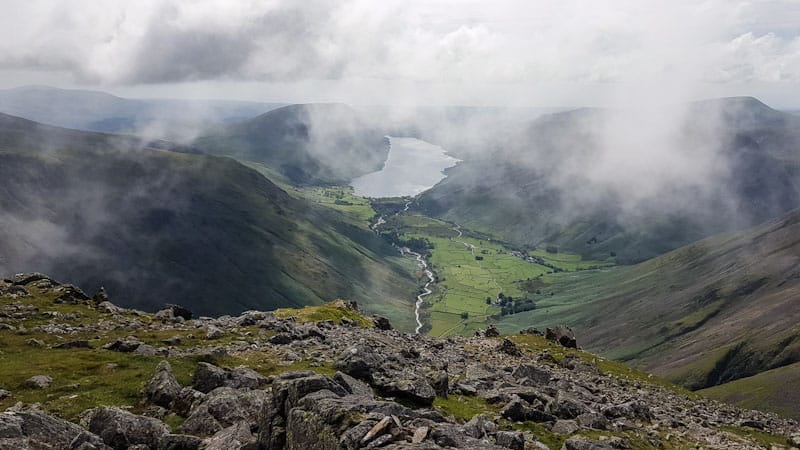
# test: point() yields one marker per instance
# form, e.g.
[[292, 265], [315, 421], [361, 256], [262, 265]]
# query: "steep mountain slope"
[[635, 183], [99, 111], [157, 226], [723, 308], [308, 144]]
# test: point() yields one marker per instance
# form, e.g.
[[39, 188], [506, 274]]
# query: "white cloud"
[[455, 43]]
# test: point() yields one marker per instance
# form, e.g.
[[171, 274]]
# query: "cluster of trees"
[[510, 305], [419, 245]]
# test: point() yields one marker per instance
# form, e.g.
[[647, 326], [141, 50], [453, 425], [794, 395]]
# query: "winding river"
[[425, 290]]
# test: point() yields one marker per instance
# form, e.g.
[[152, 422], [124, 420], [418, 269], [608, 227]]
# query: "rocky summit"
[[79, 372]]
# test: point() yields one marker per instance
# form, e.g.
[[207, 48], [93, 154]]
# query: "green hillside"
[[315, 144], [703, 315], [554, 182], [156, 226], [772, 390]]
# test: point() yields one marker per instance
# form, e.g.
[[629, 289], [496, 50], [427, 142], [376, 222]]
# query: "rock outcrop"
[[328, 386]]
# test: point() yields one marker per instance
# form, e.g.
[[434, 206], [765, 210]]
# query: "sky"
[[409, 52]]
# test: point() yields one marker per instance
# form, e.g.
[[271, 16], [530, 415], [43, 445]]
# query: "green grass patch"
[[462, 407], [472, 268], [335, 311], [764, 439]]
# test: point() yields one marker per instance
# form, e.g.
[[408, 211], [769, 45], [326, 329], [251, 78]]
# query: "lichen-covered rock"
[[120, 429], [163, 388], [230, 406], [529, 374], [513, 440], [235, 437], [413, 389], [480, 426], [583, 443], [39, 382], [33, 429], [179, 442], [208, 377], [359, 362], [200, 422]]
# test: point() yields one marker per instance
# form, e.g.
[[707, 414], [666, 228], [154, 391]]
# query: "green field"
[[472, 268]]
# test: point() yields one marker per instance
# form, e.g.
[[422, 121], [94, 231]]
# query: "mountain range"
[[156, 226]]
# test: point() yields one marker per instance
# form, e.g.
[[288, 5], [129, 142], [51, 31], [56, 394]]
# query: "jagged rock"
[[33, 342], [73, 344], [794, 440], [440, 381], [235, 437], [38, 382], [163, 388], [200, 422], [5, 326], [528, 374], [509, 348], [186, 398], [513, 440], [213, 332], [414, 389], [449, 435], [520, 410], [4, 394], [127, 345], [22, 279], [480, 426], [562, 335], [100, 296], [179, 442], [148, 350], [245, 377], [88, 441], [283, 339], [70, 294], [574, 362], [174, 340], [633, 409], [565, 427], [420, 434], [566, 407], [377, 429], [208, 377], [491, 331], [121, 429], [517, 410], [593, 420], [173, 313], [359, 362], [250, 318], [582, 443], [230, 406], [109, 308], [353, 386], [466, 389], [34, 429], [381, 323], [352, 437]]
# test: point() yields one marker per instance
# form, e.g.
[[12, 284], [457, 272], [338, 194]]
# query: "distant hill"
[[156, 227], [721, 309], [636, 191], [308, 144], [100, 111]]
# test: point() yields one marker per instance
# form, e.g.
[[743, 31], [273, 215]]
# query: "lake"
[[413, 166]]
